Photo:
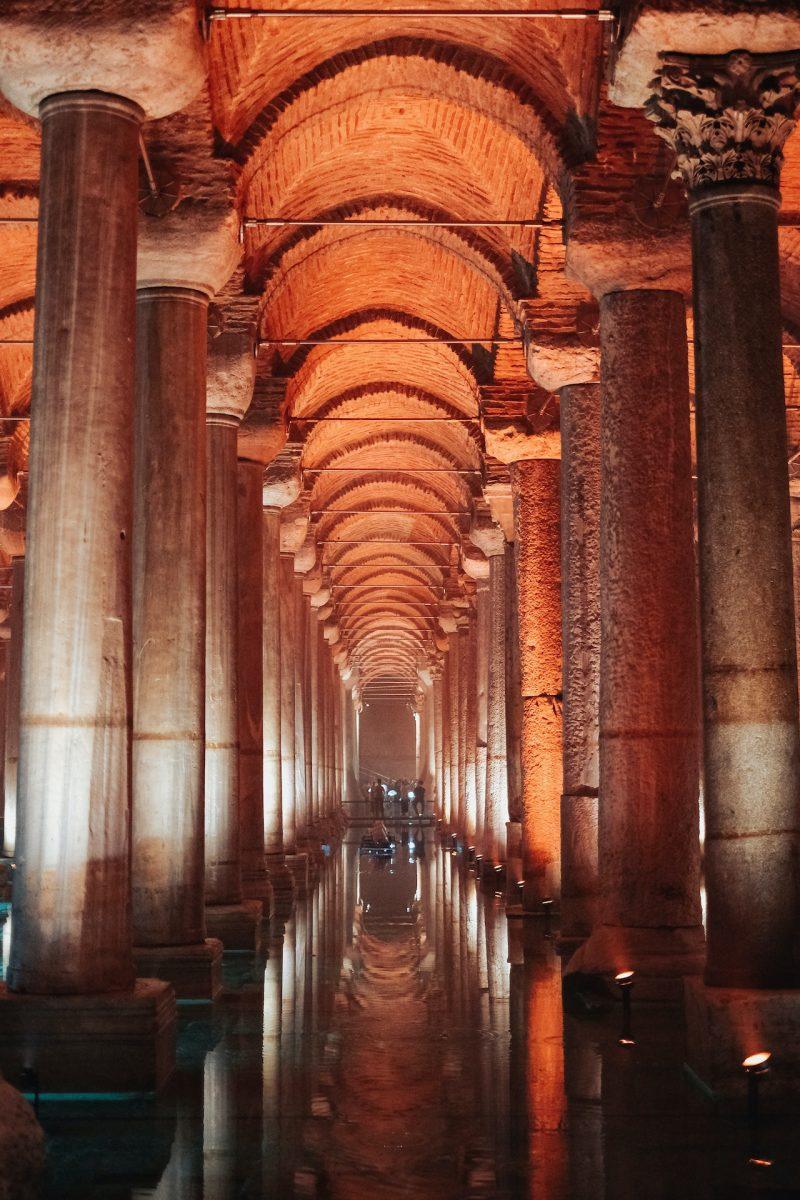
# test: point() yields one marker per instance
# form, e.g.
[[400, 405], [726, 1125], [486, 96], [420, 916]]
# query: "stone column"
[[481, 689], [580, 612], [649, 720], [72, 918], [447, 799], [301, 660], [250, 527], [286, 606], [752, 756], [489, 538], [470, 702], [313, 669], [535, 488], [455, 733], [436, 673], [12, 703], [237, 923]]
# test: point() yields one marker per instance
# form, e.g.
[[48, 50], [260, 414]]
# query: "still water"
[[397, 1043]]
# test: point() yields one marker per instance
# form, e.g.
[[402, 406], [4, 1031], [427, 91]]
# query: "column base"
[[298, 866], [195, 971], [726, 1025], [21, 1145], [579, 915], [119, 1043], [237, 926], [258, 887], [661, 957], [282, 883]]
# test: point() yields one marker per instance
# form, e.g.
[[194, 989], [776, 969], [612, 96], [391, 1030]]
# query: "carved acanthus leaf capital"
[[726, 116]]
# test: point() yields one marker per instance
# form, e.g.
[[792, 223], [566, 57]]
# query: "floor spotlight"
[[547, 909], [756, 1066], [624, 981]]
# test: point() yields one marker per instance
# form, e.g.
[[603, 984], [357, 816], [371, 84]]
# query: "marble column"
[[236, 922], [313, 669], [749, 658], [286, 606], [169, 543], [464, 683], [72, 918], [447, 799], [438, 722], [535, 489], [274, 846], [580, 610], [250, 527], [12, 703], [470, 701], [481, 692], [301, 666], [649, 719], [455, 732], [489, 538]]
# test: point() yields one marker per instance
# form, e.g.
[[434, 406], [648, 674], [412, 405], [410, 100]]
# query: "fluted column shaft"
[[72, 928], [223, 865]]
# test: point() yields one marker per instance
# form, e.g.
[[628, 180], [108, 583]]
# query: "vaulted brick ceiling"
[[395, 120]]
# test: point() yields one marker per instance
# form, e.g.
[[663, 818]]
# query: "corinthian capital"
[[726, 116]]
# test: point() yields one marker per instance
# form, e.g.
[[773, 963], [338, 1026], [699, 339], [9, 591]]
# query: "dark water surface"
[[397, 1043]]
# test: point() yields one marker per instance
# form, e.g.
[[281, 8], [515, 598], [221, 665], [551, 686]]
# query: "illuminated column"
[[489, 537], [447, 799], [281, 488], [313, 669], [436, 673], [580, 602], [302, 818], [649, 719], [235, 922], [455, 731], [752, 755], [286, 606], [255, 883], [470, 701], [12, 701], [464, 684], [72, 918], [535, 488], [481, 690]]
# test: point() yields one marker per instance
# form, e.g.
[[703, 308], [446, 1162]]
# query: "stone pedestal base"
[[21, 1146], [258, 887], [280, 878], [195, 971], [726, 1025], [579, 916], [298, 867], [122, 1042], [660, 957], [238, 926]]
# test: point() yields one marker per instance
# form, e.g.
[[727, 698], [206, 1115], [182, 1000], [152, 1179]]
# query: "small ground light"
[[547, 909], [756, 1066], [624, 981]]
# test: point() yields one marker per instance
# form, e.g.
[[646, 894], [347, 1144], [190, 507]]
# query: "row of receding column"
[[610, 786], [136, 804]]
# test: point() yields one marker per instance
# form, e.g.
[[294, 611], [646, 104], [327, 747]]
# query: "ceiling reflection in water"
[[398, 1042]]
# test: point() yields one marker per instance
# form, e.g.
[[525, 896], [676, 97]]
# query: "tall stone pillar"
[[562, 365], [236, 922], [281, 488], [470, 701], [447, 779], [72, 919], [580, 611], [438, 739], [313, 669], [301, 666], [481, 690], [286, 607], [649, 720], [250, 529], [489, 538], [752, 756], [464, 683], [12, 703], [455, 732]]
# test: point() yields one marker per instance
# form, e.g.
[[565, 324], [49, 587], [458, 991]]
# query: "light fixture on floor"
[[624, 981], [756, 1067]]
